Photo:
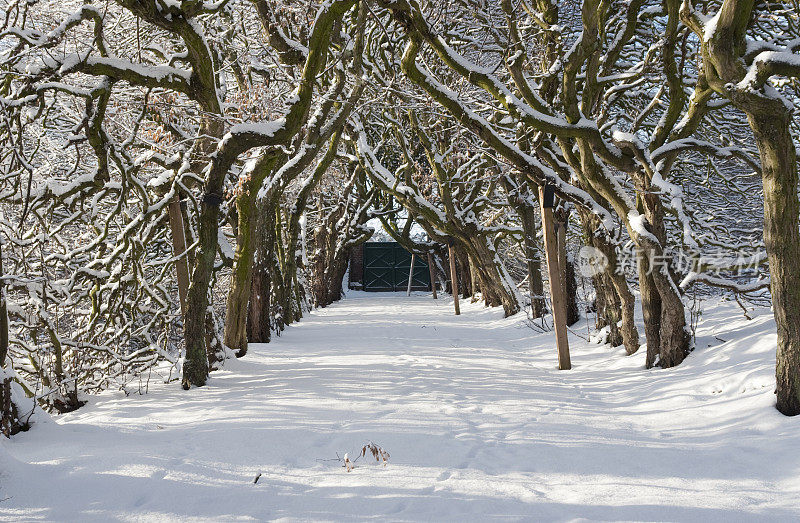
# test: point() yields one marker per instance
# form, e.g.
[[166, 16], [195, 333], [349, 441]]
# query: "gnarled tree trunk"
[[615, 301], [533, 261], [781, 237], [259, 320], [495, 285], [248, 208], [723, 49]]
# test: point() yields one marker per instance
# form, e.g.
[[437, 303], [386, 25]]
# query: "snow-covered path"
[[479, 423]]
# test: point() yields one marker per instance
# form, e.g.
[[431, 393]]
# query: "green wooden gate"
[[386, 266]]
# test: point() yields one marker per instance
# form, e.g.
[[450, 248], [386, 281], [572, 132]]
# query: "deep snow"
[[478, 421]]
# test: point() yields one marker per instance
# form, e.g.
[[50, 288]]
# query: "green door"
[[386, 266]]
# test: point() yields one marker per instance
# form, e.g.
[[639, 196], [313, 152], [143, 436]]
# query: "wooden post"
[[411, 273], [432, 270], [453, 276], [179, 249], [557, 294]]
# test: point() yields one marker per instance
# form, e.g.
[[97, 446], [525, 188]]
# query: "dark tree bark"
[[248, 209], [651, 312], [10, 423], [195, 368], [534, 264], [615, 301], [533, 260], [3, 313], [608, 308], [259, 319], [770, 120], [573, 312]]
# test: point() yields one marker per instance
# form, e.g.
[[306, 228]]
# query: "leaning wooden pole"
[[453, 276], [179, 250], [557, 294], [411, 273], [432, 270]]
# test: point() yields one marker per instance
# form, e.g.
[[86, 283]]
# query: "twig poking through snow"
[[378, 452]]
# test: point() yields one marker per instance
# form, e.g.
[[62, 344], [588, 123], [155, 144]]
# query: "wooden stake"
[[179, 249], [453, 276], [411, 273], [557, 294], [432, 270]]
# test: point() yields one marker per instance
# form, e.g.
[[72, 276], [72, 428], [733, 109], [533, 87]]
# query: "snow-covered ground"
[[478, 421]]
